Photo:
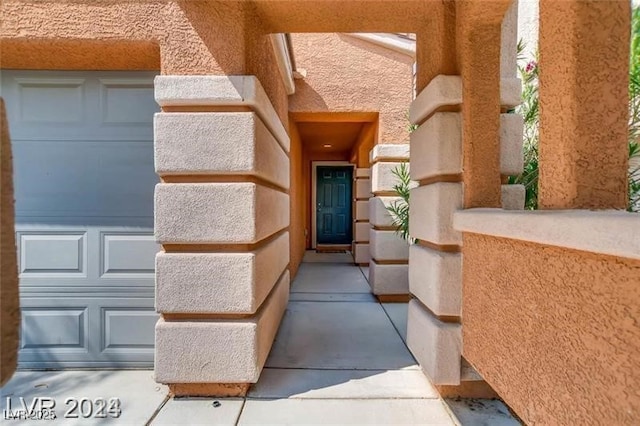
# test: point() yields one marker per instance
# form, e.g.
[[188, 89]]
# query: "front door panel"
[[333, 199]]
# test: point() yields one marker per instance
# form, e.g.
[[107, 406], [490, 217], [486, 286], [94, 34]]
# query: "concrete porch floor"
[[339, 358]]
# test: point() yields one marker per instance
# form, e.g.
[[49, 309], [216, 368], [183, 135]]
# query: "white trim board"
[[314, 179]]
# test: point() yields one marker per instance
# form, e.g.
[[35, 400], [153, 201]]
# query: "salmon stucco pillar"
[[9, 294], [221, 215], [584, 56]]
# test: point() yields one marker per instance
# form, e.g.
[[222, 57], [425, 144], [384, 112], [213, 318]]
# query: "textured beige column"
[[584, 58], [221, 214], [458, 153], [435, 263], [388, 268], [362, 191], [9, 300]]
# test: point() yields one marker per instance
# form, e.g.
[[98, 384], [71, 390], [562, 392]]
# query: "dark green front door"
[[333, 205]]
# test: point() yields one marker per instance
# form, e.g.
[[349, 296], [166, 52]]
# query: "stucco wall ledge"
[[609, 232]]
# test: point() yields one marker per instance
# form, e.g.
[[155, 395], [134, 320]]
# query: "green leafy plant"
[[634, 113], [399, 209], [410, 127], [529, 109], [634, 178]]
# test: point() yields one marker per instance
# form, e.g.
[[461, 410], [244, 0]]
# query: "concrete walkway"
[[339, 358]]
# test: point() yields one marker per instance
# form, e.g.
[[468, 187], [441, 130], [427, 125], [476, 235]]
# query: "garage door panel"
[[110, 257], [50, 254], [127, 102], [84, 179], [54, 328], [65, 105], [128, 328], [84, 184], [128, 255], [35, 96], [80, 331]]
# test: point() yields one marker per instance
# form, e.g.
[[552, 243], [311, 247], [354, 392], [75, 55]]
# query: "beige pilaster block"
[[388, 245], [436, 345], [442, 90], [361, 253], [511, 140], [379, 215], [363, 172], [431, 212], [219, 351], [218, 143], [362, 210], [436, 146], [509, 42], [510, 92], [362, 232], [388, 279], [390, 152], [435, 278], [209, 213], [513, 197], [225, 283], [363, 188], [221, 91], [383, 178]]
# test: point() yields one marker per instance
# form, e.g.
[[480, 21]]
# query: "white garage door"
[[84, 179]]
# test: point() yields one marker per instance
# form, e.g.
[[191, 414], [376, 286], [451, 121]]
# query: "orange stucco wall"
[[554, 331], [177, 37], [345, 74]]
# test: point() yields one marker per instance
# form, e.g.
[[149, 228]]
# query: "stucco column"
[[436, 45], [221, 215], [584, 63], [486, 94], [9, 298]]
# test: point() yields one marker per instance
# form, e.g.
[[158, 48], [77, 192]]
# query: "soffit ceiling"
[[342, 136]]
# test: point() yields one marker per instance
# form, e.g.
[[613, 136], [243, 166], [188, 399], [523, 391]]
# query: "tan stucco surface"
[[177, 28], [584, 54], [176, 37], [9, 301], [553, 330], [346, 74], [319, 16]]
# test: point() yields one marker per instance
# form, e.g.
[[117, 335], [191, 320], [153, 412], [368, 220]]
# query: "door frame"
[[314, 182]]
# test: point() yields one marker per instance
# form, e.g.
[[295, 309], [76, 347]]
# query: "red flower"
[[531, 66]]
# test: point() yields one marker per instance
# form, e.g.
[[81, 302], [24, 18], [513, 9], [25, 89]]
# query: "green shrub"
[[399, 209]]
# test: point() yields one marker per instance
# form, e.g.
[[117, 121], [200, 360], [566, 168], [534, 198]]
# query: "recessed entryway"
[[332, 184], [335, 154]]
